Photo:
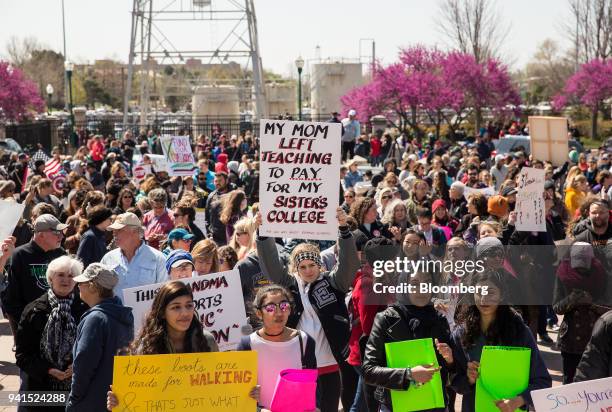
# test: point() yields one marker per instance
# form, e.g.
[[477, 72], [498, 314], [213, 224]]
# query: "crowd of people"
[[78, 245]]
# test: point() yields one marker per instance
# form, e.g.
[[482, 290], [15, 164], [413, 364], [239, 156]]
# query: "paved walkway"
[[9, 373]]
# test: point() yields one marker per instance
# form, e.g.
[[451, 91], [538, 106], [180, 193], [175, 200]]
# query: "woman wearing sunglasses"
[[278, 347], [319, 296]]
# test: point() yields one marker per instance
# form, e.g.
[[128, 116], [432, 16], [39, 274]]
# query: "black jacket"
[[27, 340], [326, 294], [27, 277], [92, 246], [395, 324], [596, 362], [216, 228]]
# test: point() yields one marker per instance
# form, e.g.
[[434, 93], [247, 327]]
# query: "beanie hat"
[[497, 206], [176, 258], [437, 204], [486, 244], [581, 255], [222, 158], [233, 166], [221, 167]]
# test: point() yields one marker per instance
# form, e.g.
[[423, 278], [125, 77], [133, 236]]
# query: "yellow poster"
[[219, 381]]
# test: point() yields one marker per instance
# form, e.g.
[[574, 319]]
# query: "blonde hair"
[[496, 226], [248, 225], [204, 249], [576, 179]]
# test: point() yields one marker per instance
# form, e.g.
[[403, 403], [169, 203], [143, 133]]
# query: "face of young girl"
[[440, 213], [308, 271], [487, 231], [487, 303], [274, 310], [179, 313], [203, 265]]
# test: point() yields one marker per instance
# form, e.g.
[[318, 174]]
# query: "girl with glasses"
[[278, 347]]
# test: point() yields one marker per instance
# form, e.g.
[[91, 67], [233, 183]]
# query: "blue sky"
[[287, 28]]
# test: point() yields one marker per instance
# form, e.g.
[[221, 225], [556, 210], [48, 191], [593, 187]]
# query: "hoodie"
[[102, 331]]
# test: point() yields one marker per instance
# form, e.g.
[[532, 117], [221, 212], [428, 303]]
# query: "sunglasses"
[[386, 197], [283, 306], [348, 196]]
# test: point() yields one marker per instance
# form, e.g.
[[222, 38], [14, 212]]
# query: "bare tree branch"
[[473, 26], [590, 29]]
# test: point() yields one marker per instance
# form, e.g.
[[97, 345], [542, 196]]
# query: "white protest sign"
[[140, 171], [177, 150], [218, 301], [530, 210], [587, 396], [11, 212], [549, 139], [486, 191], [299, 185], [200, 219], [160, 164]]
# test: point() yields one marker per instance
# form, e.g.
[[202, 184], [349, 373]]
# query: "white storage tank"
[[281, 98], [222, 101], [329, 82]]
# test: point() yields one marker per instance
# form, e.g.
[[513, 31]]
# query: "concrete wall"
[[329, 82]]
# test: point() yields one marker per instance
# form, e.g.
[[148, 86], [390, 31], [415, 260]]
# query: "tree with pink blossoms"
[[430, 84], [590, 86], [19, 96]]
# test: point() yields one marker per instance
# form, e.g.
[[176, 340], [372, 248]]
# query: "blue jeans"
[[359, 404]]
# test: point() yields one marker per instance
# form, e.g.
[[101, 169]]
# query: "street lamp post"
[[299, 63], [69, 66], [49, 95]]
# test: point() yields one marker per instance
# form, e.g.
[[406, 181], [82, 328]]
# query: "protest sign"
[[160, 164], [549, 139], [503, 374], [186, 382], [177, 150], [486, 191], [300, 179], [530, 209], [218, 301], [141, 171], [11, 212], [408, 354], [200, 219], [587, 396]]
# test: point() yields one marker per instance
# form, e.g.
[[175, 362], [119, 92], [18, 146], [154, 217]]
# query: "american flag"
[[52, 168]]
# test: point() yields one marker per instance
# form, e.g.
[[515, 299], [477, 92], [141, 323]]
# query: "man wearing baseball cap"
[[352, 131], [135, 262], [27, 270], [104, 329]]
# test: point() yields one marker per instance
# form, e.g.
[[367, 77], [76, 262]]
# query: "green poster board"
[[503, 374], [408, 354]]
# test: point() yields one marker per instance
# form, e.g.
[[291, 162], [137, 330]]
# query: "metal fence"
[[29, 135]]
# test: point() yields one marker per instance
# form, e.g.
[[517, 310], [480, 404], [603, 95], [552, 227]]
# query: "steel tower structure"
[[166, 32]]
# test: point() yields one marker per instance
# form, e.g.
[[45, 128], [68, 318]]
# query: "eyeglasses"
[[283, 306], [56, 232], [128, 197], [385, 197]]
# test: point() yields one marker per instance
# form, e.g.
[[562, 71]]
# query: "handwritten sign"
[[218, 301], [549, 139], [300, 179], [160, 164], [186, 382], [11, 212], [177, 150], [530, 210], [200, 219], [595, 395]]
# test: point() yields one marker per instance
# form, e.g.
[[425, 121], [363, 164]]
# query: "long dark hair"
[[153, 339], [504, 329], [231, 206]]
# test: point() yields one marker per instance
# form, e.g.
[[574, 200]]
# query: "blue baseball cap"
[[180, 234], [176, 258]]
